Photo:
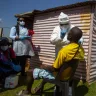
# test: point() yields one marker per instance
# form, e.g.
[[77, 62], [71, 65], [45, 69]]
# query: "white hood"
[[63, 18]]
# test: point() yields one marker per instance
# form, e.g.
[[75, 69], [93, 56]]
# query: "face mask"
[[63, 32], [22, 23], [64, 26], [4, 48]]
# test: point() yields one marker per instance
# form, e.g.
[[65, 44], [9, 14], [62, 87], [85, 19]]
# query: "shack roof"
[[30, 14]]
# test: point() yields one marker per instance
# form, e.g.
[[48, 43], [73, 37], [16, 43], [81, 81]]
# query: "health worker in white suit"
[[59, 34], [59, 38]]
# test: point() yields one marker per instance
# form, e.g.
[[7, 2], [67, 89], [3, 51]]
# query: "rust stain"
[[85, 19]]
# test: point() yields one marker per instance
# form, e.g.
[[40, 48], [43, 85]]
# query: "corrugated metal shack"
[[43, 22]]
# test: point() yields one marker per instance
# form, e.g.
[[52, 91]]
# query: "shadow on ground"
[[82, 89]]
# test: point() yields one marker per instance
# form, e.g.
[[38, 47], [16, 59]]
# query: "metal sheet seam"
[[90, 42]]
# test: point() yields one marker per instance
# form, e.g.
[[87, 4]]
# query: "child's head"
[[74, 35]]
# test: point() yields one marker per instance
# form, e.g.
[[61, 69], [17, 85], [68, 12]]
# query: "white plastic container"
[[11, 81]]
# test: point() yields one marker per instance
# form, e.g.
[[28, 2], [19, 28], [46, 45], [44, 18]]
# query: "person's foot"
[[70, 91], [23, 93], [36, 89]]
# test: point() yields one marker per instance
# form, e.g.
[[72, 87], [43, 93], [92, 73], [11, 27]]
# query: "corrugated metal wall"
[[82, 19], [93, 51], [43, 26]]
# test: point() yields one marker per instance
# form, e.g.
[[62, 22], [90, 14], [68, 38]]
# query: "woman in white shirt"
[[21, 43]]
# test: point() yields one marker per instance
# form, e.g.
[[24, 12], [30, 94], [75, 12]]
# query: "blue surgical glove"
[[27, 37], [16, 68], [24, 37], [62, 33], [80, 41]]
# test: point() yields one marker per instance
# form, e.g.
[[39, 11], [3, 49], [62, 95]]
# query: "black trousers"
[[57, 90], [22, 61]]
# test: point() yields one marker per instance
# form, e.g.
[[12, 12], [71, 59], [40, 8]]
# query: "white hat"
[[63, 18]]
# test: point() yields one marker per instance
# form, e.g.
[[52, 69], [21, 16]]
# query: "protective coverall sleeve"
[[55, 38], [81, 40]]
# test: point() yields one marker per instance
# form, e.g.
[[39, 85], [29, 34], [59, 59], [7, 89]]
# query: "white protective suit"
[[21, 47], [56, 34]]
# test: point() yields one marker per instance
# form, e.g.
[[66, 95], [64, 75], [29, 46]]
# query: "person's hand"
[[64, 42], [24, 37], [17, 38]]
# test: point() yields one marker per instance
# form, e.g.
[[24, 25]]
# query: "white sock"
[[70, 91]]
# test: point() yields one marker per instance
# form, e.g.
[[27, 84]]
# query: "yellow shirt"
[[66, 54]]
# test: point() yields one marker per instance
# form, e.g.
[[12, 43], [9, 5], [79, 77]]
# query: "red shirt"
[[30, 32], [10, 52]]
